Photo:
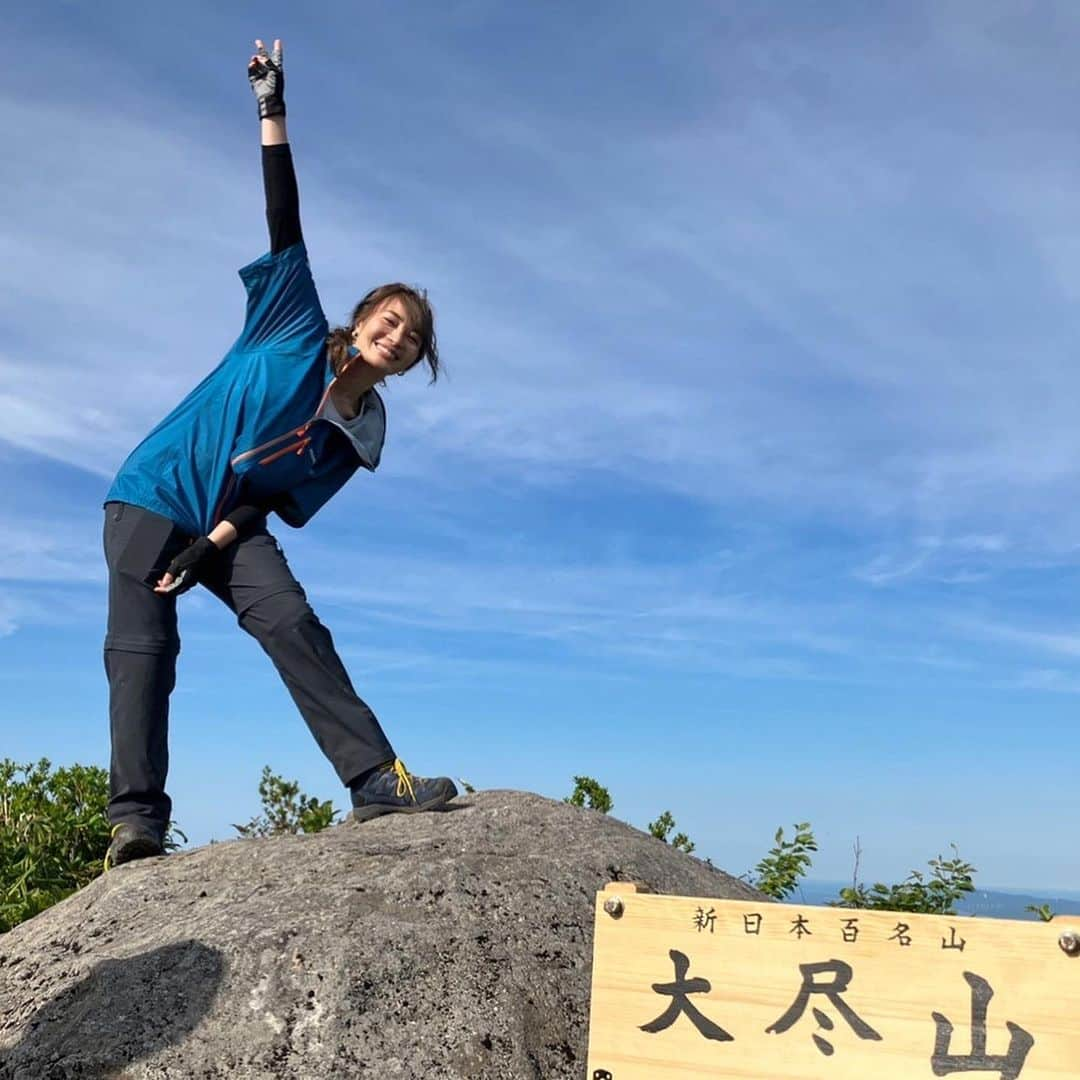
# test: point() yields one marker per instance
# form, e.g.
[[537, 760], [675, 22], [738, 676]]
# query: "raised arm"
[[267, 75]]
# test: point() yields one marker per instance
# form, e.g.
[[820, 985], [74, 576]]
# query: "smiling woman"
[[286, 418], [389, 330]]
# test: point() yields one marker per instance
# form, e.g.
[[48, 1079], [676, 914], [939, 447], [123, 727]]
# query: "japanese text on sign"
[[823, 993]]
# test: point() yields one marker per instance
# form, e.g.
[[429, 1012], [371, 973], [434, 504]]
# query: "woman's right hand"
[[267, 76], [185, 571]]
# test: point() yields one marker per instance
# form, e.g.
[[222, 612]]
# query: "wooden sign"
[[689, 989]]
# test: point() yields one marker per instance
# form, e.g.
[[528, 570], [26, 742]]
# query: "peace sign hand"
[[267, 76]]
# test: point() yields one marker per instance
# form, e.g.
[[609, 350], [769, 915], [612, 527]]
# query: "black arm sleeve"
[[242, 517], [282, 197]]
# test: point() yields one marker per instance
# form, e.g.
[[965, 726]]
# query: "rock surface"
[[441, 946]]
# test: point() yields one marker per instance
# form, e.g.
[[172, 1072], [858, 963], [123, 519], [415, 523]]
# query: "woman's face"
[[386, 339]]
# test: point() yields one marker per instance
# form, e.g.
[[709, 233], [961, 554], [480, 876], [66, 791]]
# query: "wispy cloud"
[[33, 549], [9, 615], [1059, 642], [759, 330], [731, 316]]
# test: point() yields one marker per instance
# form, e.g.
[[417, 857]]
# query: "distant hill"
[[1010, 905], [985, 903]]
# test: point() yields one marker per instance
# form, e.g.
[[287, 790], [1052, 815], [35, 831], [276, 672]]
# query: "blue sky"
[[751, 488]]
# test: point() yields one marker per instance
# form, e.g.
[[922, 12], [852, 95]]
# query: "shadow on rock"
[[122, 1011]]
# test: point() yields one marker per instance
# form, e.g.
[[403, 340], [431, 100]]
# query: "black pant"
[[142, 643]]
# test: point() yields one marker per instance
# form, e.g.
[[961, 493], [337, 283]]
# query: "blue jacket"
[[253, 431]]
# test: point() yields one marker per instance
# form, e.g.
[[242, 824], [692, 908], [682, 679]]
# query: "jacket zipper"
[[298, 447], [296, 432]]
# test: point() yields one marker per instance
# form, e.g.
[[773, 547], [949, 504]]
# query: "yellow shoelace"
[[105, 864], [404, 780]]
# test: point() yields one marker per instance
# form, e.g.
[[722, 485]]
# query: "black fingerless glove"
[[267, 77], [189, 564]]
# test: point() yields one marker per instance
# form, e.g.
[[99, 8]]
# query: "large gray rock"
[[442, 946]]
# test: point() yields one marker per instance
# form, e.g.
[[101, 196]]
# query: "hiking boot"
[[130, 842], [391, 789]]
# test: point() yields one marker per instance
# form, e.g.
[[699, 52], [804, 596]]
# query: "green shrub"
[[950, 880], [54, 832], [286, 810], [590, 793], [778, 874], [661, 828]]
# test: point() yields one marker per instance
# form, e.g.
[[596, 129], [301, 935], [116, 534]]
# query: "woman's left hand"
[[267, 75]]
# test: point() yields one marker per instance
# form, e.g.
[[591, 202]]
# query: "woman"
[[285, 419]]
